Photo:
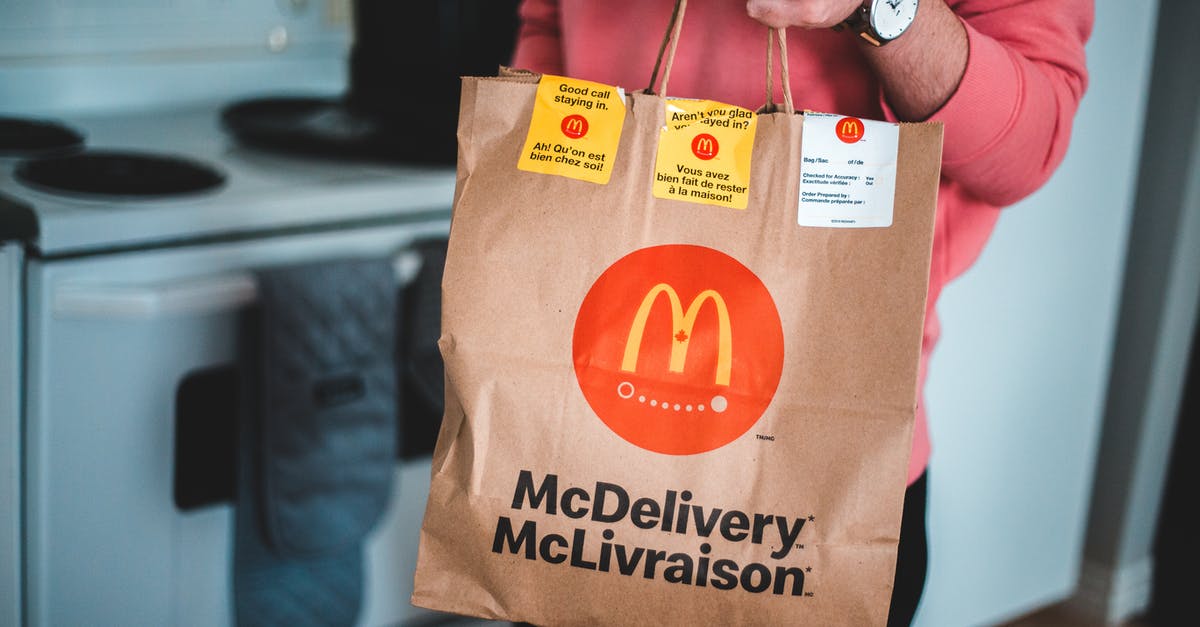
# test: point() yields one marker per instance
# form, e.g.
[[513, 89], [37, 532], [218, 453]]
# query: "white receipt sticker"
[[848, 171]]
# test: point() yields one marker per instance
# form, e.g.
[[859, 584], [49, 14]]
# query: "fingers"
[[801, 13]]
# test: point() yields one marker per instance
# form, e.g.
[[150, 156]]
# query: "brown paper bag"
[[586, 472]]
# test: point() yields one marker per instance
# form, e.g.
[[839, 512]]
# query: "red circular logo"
[[574, 126], [705, 146], [849, 130], [678, 348]]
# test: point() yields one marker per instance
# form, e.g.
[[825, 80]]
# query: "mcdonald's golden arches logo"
[[849, 130], [574, 126], [678, 349], [705, 146]]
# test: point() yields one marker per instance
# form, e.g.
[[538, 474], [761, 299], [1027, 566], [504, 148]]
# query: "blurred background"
[[157, 157]]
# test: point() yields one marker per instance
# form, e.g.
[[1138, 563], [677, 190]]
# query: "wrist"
[[880, 22], [921, 70]]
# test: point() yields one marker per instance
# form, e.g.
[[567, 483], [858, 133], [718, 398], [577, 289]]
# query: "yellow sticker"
[[704, 153], [575, 129]]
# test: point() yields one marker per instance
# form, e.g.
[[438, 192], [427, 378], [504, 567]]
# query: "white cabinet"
[[111, 339], [10, 434]]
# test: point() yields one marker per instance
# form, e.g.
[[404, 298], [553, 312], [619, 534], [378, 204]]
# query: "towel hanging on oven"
[[318, 447]]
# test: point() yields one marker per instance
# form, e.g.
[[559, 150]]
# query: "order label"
[[704, 153], [575, 129], [847, 171]]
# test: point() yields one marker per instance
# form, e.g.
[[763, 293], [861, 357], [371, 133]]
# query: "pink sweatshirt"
[[1006, 126]]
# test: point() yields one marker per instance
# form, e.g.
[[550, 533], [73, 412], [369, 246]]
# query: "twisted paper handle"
[[666, 52]]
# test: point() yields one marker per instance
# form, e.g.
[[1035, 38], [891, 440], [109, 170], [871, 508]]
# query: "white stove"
[[262, 191], [108, 305]]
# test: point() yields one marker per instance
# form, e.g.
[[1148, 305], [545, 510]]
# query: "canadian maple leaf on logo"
[[681, 337]]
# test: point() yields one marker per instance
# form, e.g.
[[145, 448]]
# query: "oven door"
[[114, 341]]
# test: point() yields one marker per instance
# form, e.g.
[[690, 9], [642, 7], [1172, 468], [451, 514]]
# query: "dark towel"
[[319, 442], [422, 384]]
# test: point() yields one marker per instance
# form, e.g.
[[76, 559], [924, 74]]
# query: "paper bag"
[[663, 411]]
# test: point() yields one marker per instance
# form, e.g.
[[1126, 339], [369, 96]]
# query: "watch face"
[[890, 18]]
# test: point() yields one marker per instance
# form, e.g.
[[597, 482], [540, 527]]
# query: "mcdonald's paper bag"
[[662, 410]]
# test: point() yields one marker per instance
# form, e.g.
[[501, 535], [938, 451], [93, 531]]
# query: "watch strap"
[[859, 23]]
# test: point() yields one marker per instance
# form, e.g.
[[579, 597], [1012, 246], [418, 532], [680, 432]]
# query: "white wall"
[[68, 56], [1017, 386]]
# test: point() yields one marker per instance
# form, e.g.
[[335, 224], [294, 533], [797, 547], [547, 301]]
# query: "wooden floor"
[[1053, 616], [1063, 616]]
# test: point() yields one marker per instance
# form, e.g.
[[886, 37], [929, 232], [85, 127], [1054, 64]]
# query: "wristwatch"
[[881, 21]]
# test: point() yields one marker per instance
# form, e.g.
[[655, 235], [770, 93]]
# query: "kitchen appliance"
[[119, 317], [25, 137], [402, 100], [131, 227]]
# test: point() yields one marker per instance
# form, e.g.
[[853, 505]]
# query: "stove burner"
[[119, 173], [23, 137], [315, 126]]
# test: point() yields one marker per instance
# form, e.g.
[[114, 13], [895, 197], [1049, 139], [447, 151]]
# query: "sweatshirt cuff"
[[983, 106]]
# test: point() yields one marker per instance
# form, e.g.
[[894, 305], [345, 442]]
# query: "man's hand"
[[919, 71], [802, 13]]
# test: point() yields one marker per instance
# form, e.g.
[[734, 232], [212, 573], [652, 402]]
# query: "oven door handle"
[[149, 301], [190, 296]]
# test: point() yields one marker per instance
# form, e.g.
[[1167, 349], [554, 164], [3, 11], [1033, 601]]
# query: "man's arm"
[[919, 71], [1016, 85]]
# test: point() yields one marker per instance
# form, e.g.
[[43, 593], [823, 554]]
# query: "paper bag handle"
[[671, 37], [784, 80]]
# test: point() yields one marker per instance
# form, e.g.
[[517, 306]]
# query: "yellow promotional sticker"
[[575, 129], [704, 153]]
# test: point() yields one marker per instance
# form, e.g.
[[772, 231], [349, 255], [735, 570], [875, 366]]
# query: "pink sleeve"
[[1008, 123], [539, 41]]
